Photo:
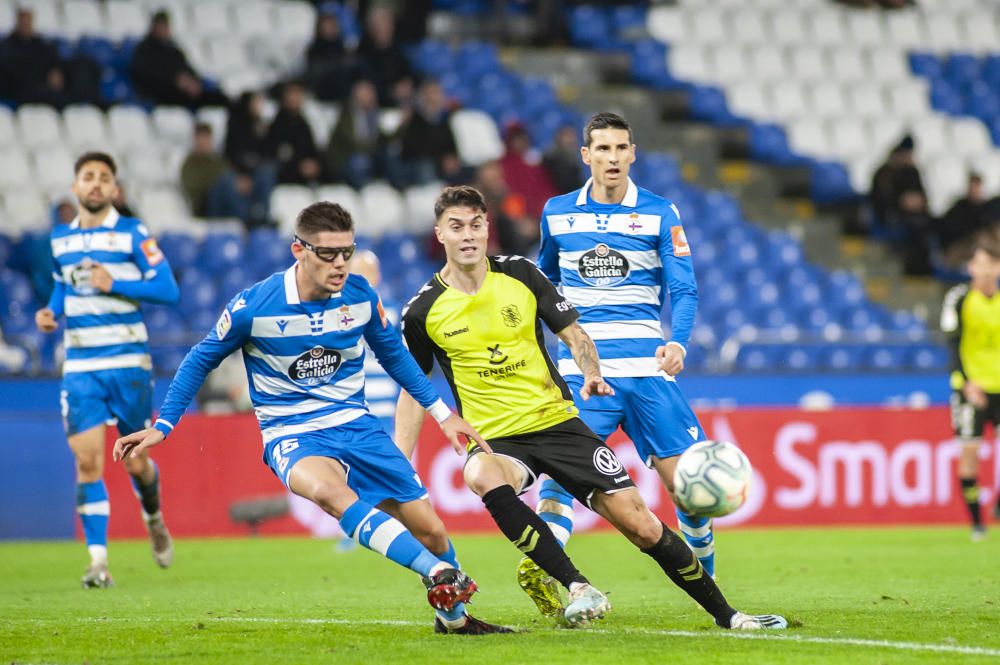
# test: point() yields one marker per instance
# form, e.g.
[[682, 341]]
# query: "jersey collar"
[[630, 200], [109, 221], [291, 290]]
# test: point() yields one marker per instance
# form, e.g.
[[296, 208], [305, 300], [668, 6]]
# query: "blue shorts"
[[376, 469], [89, 399], [650, 409]]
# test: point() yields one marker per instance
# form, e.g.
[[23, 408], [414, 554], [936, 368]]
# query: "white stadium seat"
[[146, 167], [788, 28], [905, 29], [346, 196], [969, 137], [931, 136], [865, 28], [768, 63], [126, 18], [24, 210], [254, 19], [83, 18], [847, 65], [828, 100], [8, 131], [788, 102], [476, 137], [224, 54], [943, 32], [747, 99], [16, 171], [708, 26], [322, 117], [867, 100], [909, 99], [888, 64], [217, 117], [885, 132], [808, 137], [808, 63], [384, 210], [688, 62], [730, 64], [862, 168], [130, 127], [53, 167], [826, 27], [210, 19], [420, 206], [86, 127], [287, 201], [295, 21], [945, 179], [39, 126], [165, 209], [667, 24], [748, 27], [980, 29], [848, 139], [173, 124]]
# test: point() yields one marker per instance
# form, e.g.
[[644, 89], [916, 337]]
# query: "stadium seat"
[[86, 128], [53, 168], [16, 171], [287, 201], [39, 126], [322, 117], [420, 200], [82, 18], [23, 210], [865, 28], [788, 103], [164, 209], [825, 27], [295, 20], [173, 125], [346, 196], [808, 63], [125, 18], [667, 24], [130, 127], [211, 19], [476, 137], [827, 100], [224, 54], [255, 18], [384, 210]]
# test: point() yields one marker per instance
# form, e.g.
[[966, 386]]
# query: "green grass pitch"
[[856, 596]]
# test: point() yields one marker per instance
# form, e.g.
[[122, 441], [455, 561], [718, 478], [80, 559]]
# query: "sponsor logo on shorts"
[[606, 461], [603, 266], [315, 366]]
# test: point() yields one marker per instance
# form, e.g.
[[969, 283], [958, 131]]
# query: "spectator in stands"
[[291, 140], [523, 173], [384, 62], [161, 72], [330, 67], [202, 169], [30, 68], [357, 151], [246, 144], [411, 23], [512, 231], [427, 146], [899, 204], [562, 162], [963, 221]]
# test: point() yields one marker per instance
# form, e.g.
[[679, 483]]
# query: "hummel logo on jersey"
[[240, 304], [282, 324], [693, 431], [456, 332]]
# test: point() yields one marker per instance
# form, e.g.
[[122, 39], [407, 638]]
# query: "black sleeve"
[[413, 324], [951, 325], [553, 309]]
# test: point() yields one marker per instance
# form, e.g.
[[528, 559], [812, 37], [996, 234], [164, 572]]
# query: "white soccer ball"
[[712, 479]]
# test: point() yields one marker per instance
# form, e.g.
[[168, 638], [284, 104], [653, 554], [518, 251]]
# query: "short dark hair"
[[606, 120], [987, 241], [459, 196], [94, 156], [202, 128], [323, 216]]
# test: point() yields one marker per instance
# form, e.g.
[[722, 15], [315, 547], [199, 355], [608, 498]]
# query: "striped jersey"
[[105, 330], [304, 359], [617, 263]]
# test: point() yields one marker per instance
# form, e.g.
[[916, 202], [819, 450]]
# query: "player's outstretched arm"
[[409, 418], [456, 429], [585, 354], [133, 444]]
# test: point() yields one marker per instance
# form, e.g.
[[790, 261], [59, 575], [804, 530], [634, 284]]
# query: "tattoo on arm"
[[583, 349]]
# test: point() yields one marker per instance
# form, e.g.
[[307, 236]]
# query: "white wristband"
[[439, 411]]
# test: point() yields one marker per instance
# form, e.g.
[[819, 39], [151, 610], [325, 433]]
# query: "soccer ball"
[[712, 479]]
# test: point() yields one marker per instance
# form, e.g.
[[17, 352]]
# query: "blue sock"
[[458, 611], [148, 495], [94, 510], [697, 531], [373, 529], [555, 507]]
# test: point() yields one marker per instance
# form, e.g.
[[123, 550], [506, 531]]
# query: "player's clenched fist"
[[135, 443], [45, 320]]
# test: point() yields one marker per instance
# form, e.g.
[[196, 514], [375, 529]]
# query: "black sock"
[[970, 492], [148, 495], [530, 534], [683, 568]]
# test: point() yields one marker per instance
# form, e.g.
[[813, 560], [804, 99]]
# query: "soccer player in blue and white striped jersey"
[[303, 334], [618, 251], [104, 266]]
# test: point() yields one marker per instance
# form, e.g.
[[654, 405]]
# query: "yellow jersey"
[[971, 321]]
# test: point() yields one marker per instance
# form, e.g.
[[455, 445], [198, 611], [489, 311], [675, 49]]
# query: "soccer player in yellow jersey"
[[481, 319], [970, 318]]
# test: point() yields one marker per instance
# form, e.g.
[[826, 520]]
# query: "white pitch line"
[[765, 636], [848, 641]]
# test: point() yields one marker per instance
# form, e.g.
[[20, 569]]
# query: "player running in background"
[[618, 251], [970, 317], [481, 318], [104, 266], [303, 335]]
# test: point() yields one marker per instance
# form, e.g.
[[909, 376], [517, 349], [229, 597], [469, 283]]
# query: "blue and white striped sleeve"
[[678, 276], [231, 332]]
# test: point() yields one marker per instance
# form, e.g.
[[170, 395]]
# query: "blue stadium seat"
[[755, 358], [960, 69], [219, 251], [800, 358], [885, 357], [160, 319], [928, 357], [926, 65], [181, 250], [590, 26], [769, 143]]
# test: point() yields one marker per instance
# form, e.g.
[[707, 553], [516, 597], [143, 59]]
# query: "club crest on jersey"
[[344, 318], [603, 266], [315, 366], [511, 316]]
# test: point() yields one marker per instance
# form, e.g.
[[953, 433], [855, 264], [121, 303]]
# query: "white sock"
[[98, 555]]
